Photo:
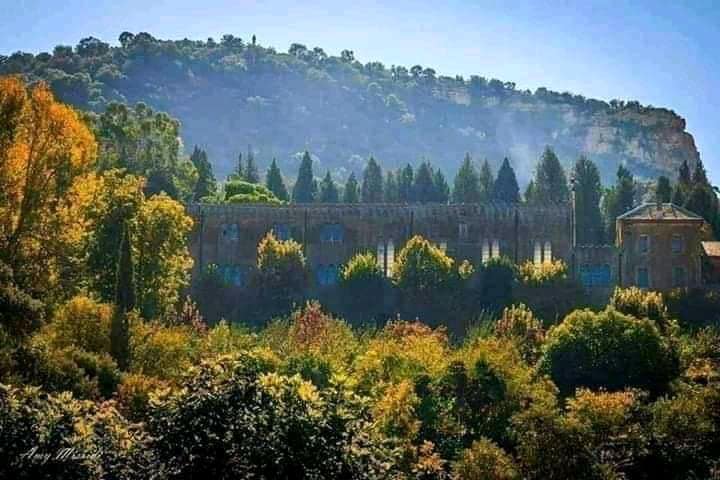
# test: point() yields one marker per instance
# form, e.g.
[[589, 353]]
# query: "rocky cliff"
[[232, 94]]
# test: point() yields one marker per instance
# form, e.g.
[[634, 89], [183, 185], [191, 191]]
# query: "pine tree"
[[663, 190], [466, 188], [251, 171], [405, 184], [550, 184], [372, 185], [678, 197], [350, 195], [423, 190], [699, 176], [206, 184], [486, 179], [588, 192], [328, 190], [619, 199], [390, 189], [530, 192], [441, 188], [506, 187], [274, 182], [305, 188], [124, 303]]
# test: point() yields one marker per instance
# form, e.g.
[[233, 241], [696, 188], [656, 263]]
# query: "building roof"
[[660, 212], [711, 249]]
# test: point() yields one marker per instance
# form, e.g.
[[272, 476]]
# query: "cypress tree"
[[328, 190], [506, 187], [466, 188], [550, 185], [274, 182], [206, 184], [251, 171], [372, 186], [588, 192], [530, 192], [699, 174], [486, 181], [684, 175], [124, 303], [440, 187], [620, 199], [305, 188], [390, 190], [239, 170], [423, 186], [663, 190], [405, 184], [678, 197], [350, 195]]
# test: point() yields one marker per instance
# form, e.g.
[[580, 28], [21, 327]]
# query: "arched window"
[[537, 254], [485, 251], [381, 255], [548, 252], [496, 248], [390, 257]]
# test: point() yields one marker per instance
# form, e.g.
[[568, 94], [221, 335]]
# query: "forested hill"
[[233, 93]]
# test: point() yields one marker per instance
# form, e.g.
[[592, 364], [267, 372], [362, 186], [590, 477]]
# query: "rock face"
[[229, 95]]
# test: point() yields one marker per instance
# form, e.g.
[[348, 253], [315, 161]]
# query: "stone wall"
[[227, 235]]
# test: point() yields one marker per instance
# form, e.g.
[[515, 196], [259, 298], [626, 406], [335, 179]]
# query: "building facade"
[[657, 247]]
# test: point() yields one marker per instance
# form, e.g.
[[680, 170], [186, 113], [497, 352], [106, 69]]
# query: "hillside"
[[231, 94]]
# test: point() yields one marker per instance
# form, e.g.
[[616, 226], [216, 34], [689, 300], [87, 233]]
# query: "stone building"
[[660, 247], [657, 246], [227, 235]]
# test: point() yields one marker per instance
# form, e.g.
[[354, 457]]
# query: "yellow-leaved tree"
[[47, 156]]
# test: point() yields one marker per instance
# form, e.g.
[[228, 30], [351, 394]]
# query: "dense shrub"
[[518, 323], [238, 191], [20, 314], [58, 437], [161, 351], [608, 350], [81, 322], [497, 278], [422, 268], [236, 419], [539, 274], [694, 308], [484, 460], [640, 304]]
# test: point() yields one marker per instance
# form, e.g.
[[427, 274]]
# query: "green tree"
[[506, 187], [328, 190], [608, 350], [240, 191], [124, 303], [405, 184], [684, 175], [239, 168], [281, 276], [619, 199], [678, 197], [486, 180], [305, 188], [423, 190], [466, 188], [350, 194], [206, 185], [440, 187], [663, 190], [588, 192], [372, 185], [550, 184], [390, 189], [421, 268], [251, 170], [274, 182]]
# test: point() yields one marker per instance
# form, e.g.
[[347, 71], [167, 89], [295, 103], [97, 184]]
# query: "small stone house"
[[660, 247]]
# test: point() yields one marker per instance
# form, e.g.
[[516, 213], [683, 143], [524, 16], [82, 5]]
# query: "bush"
[[362, 276], [134, 394], [484, 460], [640, 304], [238, 191], [20, 314], [235, 419], [608, 350], [497, 278], [532, 274], [165, 352], [694, 308], [518, 323], [281, 276], [81, 322], [421, 268]]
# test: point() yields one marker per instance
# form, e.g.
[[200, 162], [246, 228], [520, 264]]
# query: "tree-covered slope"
[[229, 94]]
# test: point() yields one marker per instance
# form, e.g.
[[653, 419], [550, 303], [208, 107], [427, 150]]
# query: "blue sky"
[[658, 52]]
